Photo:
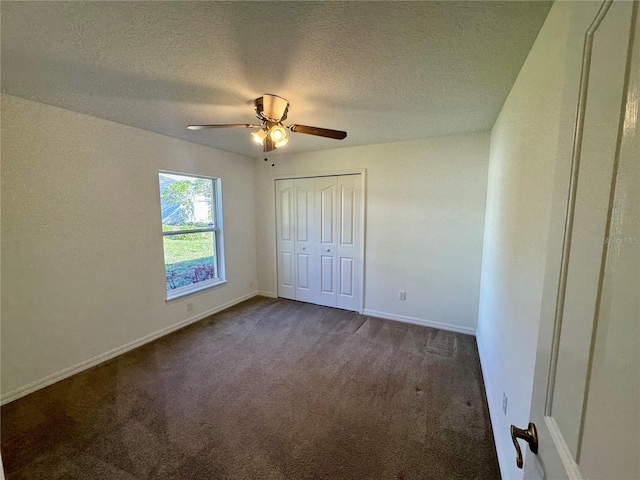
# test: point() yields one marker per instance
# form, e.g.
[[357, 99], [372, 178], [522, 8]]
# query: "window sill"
[[178, 294]]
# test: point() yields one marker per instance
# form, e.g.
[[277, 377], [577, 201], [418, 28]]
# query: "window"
[[192, 232]]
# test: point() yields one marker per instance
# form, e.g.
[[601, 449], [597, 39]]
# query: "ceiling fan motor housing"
[[271, 108]]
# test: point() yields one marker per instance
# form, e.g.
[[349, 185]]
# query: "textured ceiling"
[[382, 71]]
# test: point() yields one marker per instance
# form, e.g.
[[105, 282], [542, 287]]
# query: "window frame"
[[218, 239]]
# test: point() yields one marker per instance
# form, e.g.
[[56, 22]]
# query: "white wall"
[[425, 203], [82, 255], [530, 151], [1, 465]]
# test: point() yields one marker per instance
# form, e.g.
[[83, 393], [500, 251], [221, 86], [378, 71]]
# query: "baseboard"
[[266, 294], [98, 359], [420, 321], [493, 415]]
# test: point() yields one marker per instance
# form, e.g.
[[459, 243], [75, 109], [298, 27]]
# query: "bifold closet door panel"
[[325, 239], [285, 239], [305, 244], [349, 241]]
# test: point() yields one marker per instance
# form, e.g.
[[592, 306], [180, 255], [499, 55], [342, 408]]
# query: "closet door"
[[325, 239], [349, 240], [306, 269], [285, 239], [318, 238]]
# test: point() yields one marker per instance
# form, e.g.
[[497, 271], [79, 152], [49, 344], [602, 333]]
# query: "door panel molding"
[[563, 449], [286, 230], [347, 197], [346, 277], [327, 214], [572, 194], [327, 274], [287, 267]]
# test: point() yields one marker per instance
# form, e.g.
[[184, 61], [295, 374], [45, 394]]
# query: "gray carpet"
[[269, 389]]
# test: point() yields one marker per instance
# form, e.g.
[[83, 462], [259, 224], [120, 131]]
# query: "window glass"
[[186, 202], [191, 234]]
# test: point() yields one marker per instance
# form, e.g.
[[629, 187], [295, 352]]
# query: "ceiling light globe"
[[277, 133], [281, 143], [259, 136]]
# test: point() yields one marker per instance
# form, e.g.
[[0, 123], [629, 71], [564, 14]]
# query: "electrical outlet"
[[250, 284], [403, 295], [504, 402], [189, 307]]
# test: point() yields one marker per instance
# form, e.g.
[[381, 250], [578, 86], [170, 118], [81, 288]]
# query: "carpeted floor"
[[269, 389]]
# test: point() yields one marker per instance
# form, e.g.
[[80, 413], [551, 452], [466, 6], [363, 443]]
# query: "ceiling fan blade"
[[224, 125], [320, 132]]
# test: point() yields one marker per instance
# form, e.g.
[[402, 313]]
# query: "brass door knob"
[[530, 435]]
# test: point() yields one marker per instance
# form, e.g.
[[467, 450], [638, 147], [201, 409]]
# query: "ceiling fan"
[[272, 110]]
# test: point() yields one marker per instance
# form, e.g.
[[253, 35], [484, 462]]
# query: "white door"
[[305, 244], [326, 231], [586, 401], [285, 239], [348, 254], [319, 240]]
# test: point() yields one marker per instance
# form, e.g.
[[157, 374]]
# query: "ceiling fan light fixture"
[[272, 110], [281, 143], [259, 136], [277, 133]]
